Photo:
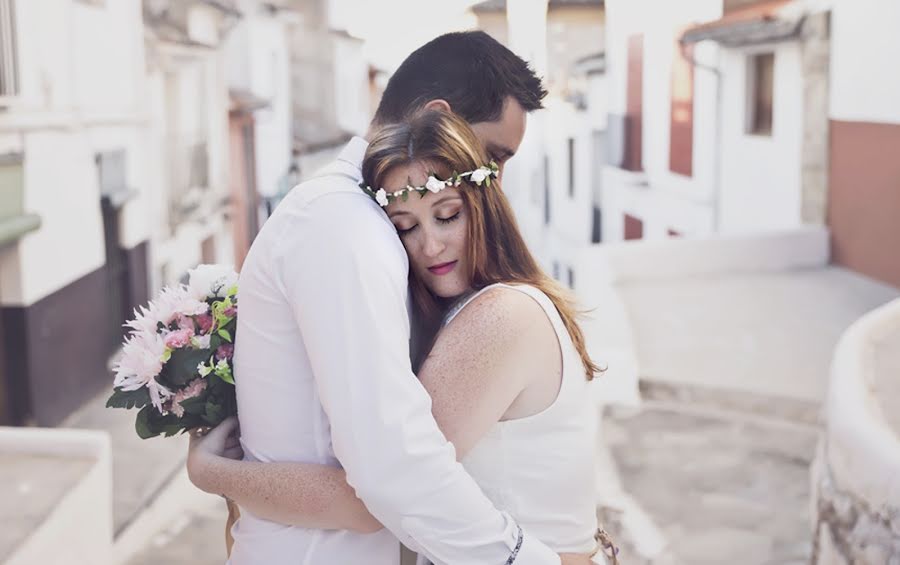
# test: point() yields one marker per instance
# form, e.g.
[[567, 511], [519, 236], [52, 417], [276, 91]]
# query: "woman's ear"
[[438, 104]]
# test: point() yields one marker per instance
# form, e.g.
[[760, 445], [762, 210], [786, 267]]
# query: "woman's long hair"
[[496, 251]]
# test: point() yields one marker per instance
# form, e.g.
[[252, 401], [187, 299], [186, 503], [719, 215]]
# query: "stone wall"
[[856, 475]]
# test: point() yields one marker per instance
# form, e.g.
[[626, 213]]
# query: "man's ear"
[[438, 104]]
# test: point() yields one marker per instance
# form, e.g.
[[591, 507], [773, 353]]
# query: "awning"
[[768, 22]]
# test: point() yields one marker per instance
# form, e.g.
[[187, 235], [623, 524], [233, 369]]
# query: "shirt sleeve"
[[345, 273]]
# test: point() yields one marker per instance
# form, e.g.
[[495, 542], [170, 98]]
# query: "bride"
[[509, 385]]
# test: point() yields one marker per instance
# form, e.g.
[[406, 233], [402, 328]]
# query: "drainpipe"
[[717, 135]]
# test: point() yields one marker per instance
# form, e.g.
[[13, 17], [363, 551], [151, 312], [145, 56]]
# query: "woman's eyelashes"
[[448, 220], [452, 218]]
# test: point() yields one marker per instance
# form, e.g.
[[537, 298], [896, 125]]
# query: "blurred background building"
[[717, 180]]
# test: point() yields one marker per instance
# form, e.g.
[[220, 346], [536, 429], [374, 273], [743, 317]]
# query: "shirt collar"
[[353, 152]]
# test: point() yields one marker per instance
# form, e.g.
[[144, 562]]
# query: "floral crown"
[[481, 175]]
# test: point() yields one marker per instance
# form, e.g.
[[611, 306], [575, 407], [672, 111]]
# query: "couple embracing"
[[405, 369]]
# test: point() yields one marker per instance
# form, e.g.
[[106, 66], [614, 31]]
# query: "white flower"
[[381, 197], [201, 341], [141, 361], [434, 185], [177, 300], [144, 320], [203, 369], [211, 280], [478, 175], [158, 394]]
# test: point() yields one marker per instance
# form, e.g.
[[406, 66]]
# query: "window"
[[571, 167], [760, 89], [9, 65]]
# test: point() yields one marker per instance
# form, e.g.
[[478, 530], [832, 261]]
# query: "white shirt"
[[323, 376]]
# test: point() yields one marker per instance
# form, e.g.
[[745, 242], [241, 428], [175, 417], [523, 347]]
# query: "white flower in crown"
[[381, 197], [435, 185], [478, 175]]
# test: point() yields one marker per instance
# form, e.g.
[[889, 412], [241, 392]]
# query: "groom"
[[323, 358]]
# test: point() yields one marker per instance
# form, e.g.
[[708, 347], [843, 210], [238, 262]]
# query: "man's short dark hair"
[[471, 70]]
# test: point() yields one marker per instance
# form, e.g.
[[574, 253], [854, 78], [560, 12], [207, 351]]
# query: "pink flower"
[[192, 390], [179, 338], [230, 311], [205, 322], [184, 322], [225, 351]]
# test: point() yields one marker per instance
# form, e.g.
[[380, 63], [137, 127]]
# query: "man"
[[318, 381]]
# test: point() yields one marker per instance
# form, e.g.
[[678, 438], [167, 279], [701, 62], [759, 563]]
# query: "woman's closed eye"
[[447, 220], [452, 218], [404, 231]]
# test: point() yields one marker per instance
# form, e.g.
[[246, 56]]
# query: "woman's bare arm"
[[300, 494], [479, 365], [483, 360]]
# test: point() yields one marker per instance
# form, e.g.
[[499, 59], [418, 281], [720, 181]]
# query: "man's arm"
[[346, 277]]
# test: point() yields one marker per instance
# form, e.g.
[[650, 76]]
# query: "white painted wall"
[[258, 60], [81, 73], [864, 83], [662, 199], [351, 85], [188, 102], [523, 176], [761, 174]]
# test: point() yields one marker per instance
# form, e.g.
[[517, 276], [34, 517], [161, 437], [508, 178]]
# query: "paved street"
[[197, 537], [721, 487]]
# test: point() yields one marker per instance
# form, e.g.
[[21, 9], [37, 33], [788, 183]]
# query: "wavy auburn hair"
[[496, 250]]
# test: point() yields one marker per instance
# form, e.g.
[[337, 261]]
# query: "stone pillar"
[[815, 49]]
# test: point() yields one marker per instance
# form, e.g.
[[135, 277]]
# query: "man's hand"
[[205, 448], [575, 559]]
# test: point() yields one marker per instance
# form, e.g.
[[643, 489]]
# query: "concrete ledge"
[[778, 251], [603, 268], [856, 476], [77, 525]]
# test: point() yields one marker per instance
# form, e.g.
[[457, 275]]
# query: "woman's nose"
[[433, 246]]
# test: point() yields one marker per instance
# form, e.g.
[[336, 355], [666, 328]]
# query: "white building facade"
[[716, 127], [553, 182], [75, 194], [187, 97]]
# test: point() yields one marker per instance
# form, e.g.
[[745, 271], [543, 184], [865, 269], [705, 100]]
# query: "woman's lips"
[[443, 268]]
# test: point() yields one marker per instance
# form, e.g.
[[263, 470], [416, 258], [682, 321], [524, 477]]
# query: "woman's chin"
[[447, 292]]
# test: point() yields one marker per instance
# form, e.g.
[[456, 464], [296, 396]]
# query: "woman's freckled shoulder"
[[500, 310]]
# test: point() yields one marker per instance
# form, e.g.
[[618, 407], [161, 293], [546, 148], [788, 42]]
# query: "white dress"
[[541, 468]]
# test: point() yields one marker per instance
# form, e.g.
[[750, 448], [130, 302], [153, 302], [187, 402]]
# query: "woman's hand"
[[575, 559], [206, 448]]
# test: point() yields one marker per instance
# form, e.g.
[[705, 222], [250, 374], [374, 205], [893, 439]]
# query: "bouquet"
[[176, 364]]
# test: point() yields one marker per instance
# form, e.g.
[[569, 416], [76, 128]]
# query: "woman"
[[512, 394]]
